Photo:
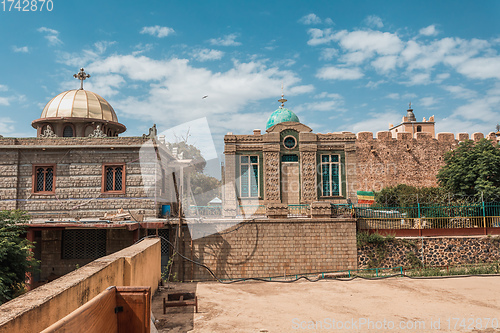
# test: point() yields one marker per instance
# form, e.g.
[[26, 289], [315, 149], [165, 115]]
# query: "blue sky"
[[345, 65]]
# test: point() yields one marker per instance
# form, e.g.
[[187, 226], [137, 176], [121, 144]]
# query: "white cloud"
[[441, 77], [51, 35], [428, 101], [3, 87], [174, 85], [319, 36], [22, 49], [393, 96], [376, 122], [310, 19], [385, 64], [479, 115], [320, 106], [102, 46], [207, 54], [325, 94], [374, 21], [339, 73], [6, 126], [460, 92], [105, 85], [429, 31], [481, 68], [375, 84], [371, 42], [228, 40], [328, 53], [157, 31], [4, 101], [419, 79], [386, 52]]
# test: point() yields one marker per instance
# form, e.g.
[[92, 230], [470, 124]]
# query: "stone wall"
[[260, 248], [385, 161], [52, 263], [437, 251], [79, 176]]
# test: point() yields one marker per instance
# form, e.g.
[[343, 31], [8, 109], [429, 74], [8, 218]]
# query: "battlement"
[[423, 136]]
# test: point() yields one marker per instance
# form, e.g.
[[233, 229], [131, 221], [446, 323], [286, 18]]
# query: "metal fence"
[[481, 215], [298, 210], [204, 211]]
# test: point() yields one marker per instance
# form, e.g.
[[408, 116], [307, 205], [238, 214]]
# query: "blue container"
[[165, 210]]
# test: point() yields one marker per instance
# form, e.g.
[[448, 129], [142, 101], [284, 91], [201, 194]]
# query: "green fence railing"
[[298, 210], [480, 215]]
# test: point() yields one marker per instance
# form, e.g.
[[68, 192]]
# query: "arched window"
[[68, 131], [419, 128], [88, 130]]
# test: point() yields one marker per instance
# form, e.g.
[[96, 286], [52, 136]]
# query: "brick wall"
[[267, 249]]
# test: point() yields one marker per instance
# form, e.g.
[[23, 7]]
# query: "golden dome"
[[79, 104]]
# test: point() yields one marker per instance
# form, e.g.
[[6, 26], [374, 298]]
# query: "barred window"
[[249, 176], [113, 178], [330, 175], [44, 178], [83, 244]]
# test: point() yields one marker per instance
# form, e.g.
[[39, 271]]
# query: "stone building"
[[290, 166], [77, 170], [410, 124]]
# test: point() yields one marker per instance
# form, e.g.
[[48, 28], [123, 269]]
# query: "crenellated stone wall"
[[387, 161]]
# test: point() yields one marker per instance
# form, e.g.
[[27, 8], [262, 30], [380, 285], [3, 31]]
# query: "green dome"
[[281, 115]]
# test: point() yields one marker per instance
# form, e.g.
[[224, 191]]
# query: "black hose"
[[303, 277]]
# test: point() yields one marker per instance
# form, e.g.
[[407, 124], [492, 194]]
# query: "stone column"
[[230, 203], [352, 185], [272, 176], [309, 178]]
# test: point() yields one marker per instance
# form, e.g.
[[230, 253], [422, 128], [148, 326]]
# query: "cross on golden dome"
[[82, 76]]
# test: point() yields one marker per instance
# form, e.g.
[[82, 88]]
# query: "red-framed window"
[[44, 179], [113, 178]]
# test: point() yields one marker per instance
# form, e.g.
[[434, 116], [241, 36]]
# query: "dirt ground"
[[466, 304]]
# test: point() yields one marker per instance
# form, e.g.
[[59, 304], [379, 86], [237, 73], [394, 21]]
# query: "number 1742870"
[[26, 5]]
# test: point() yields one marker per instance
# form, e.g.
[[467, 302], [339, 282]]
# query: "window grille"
[[113, 178], [330, 175], [249, 176], [289, 158], [83, 244], [164, 234], [44, 178]]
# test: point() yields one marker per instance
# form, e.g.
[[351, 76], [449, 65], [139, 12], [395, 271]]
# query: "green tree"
[[205, 188], [472, 169], [404, 195], [189, 152], [16, 259]]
